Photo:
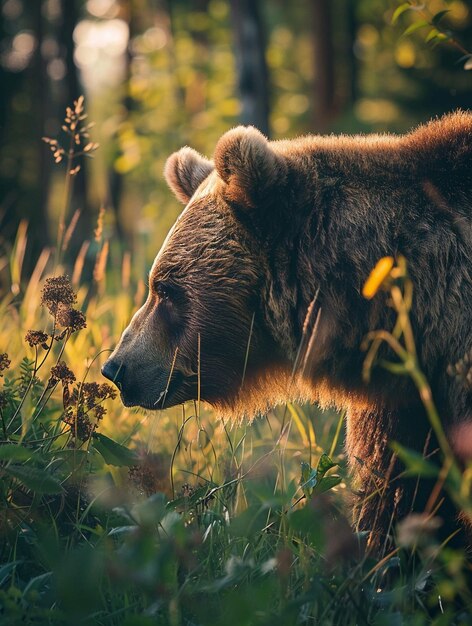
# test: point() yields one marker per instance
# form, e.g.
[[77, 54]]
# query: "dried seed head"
[[187, 490], [79, 105], [150, 474], [107, 391], [37, 338], [100, 411], [75, 170], [63, 373], [4, 363], [57, 291], [80, 423], [70, 318]]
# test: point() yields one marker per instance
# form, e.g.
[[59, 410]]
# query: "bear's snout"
[[114, 370]]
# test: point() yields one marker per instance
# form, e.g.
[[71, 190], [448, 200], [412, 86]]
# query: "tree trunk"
[[20, 132], [73, 89], [39, 216], [350, 56], [324, 100], [251, 63]]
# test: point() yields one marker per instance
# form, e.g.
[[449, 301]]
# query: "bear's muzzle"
[[114, 370]]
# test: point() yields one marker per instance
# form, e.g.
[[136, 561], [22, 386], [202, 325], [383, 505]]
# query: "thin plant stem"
[[65, 202], [5, 434]]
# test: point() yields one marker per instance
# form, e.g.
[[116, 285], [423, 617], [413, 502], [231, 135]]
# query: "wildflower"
[[57, 150], [150, 475], [187, 490], [377, 277], [57, 291], [91, 393], [37, 338], [4, 363], [70, 318], [78, 130], [80, 423], [107, 391], [100, 411], [63, 373]]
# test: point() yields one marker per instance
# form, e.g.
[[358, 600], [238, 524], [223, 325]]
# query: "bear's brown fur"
[[269, 226]]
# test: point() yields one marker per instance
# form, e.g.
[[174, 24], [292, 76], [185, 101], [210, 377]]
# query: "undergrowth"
[[112, 517]]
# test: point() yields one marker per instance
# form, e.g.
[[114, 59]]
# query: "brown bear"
[[274, 229]]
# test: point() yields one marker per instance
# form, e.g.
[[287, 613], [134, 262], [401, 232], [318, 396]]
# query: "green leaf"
[[416, 464], [306, 470], [314, 480], [34, 478], [432, 35], [36, 583], [14, 452], [438, 16], [414, 27], [324, 464], [327, 483], [6, 570], [406, 6], [113, 452], [308, 479]]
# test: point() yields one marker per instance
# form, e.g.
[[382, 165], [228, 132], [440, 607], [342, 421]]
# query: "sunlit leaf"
[[406, 6], [416, 464], [314, 480], [308, 479], [324, 464], [327, 483], [432, 35], [113, 452], [414, 27]]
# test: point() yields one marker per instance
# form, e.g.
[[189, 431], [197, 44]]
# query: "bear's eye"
[[163, 290]]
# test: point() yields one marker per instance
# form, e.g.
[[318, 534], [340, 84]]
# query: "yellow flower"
[[377, 276]]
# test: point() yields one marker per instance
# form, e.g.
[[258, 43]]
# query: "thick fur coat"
[[270, 225]]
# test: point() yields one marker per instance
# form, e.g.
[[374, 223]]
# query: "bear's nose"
[[114, 371]]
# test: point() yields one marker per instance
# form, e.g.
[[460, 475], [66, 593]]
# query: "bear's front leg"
[[384, 495]]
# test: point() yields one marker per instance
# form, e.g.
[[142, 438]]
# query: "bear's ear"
[[251, 169], [184, 171]]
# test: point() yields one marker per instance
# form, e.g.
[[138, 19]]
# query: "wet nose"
[[114, 371]]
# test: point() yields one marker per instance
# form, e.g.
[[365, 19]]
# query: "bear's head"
[[211, 325]]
